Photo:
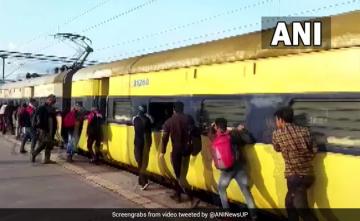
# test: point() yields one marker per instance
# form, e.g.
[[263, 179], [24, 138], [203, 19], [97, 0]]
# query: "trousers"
[[240, 176], [296, 200]]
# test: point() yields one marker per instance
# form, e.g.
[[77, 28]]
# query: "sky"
[[125, 28]]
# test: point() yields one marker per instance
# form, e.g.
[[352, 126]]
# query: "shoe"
[[176, 197], [32, 158], [49, 162], [93, 161], [23, 151], [69, 159], [194, 203], [145, 186], [96, 161]]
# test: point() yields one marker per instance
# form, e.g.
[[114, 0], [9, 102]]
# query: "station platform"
[[80, 185], [109, 179]]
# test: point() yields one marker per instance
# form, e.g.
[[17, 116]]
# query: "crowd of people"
[[227, 144], [38, 124]]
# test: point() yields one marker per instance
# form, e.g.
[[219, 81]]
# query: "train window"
[[232, 110], [80, 103], [122, 111], [333, 123], [160, 112]]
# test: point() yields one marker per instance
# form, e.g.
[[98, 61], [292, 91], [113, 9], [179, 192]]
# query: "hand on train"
[[240, 127]]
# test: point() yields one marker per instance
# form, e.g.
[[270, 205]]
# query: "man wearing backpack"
[[68, 128], [142, 142], [45, 122], [94, 133], [226, 155]]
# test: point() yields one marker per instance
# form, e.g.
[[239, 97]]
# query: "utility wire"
[[94, 26], [18, 67], [205, 19], [17, 54], [86, 12], [40, 57], [118, 16], [175, 44], [68, 21]]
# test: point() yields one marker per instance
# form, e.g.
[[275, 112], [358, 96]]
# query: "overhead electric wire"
[[39, 57], [183, 26], [17, 54], [94, 26], [202, 36], [68, 21], [86, 12], [112, 18]]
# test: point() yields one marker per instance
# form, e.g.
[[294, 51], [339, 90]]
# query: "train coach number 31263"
[[141, 83]]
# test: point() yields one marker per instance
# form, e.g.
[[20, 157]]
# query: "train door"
[[160, 112], [103, 94]]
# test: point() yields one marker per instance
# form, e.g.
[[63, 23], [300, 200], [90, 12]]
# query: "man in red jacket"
[[68, 127]]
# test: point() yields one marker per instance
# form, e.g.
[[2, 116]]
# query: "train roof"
[[44, 79], [344, 33]]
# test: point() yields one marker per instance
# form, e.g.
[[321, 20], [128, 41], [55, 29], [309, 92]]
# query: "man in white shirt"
[[2, 120]]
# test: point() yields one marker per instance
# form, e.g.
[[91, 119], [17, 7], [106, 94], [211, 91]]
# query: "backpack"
[[194, 141], [223, 151], [23, 118], [94, 126], [70, 119]]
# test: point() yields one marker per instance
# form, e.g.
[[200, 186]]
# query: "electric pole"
[[3, 68]]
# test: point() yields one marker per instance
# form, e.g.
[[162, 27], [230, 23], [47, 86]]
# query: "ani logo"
[[296, 32], [309, 34]]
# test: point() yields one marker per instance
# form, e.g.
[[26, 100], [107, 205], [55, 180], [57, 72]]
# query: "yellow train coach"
[[236, 79], [39, 88]]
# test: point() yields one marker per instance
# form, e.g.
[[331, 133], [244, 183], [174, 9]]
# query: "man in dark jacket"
[[23, 122], [18, 107], [25, 117], [8, 116], [45, 123], [2, 120], [177, 127], [142, 126], [94, 133]]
